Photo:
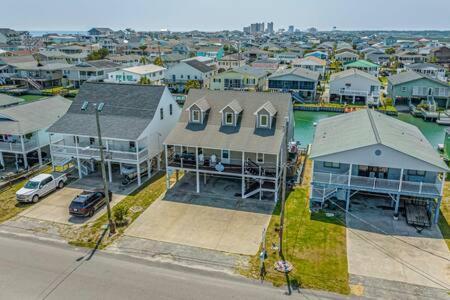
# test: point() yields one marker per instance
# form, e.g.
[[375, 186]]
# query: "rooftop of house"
[[299, 72], [367, 127], [248, 70], [200, 66], [310, 60], [144, 69], [29, 117], [7, 100], [242, 137], [361, 64], [353, 72], [128, 110], [410, 75]]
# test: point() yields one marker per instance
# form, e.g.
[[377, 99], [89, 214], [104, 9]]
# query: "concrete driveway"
[[206, 220], [380, 247], [55, 207]]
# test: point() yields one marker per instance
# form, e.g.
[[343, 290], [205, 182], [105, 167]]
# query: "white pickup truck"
[[40, 186]]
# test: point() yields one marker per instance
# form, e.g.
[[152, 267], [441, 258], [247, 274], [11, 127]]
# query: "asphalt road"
[[31, 269]]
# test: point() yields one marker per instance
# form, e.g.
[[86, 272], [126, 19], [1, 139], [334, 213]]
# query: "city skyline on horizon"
[[346, 15]]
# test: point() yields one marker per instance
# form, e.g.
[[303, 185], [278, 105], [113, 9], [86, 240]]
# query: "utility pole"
[[98, 108], [283, 192]]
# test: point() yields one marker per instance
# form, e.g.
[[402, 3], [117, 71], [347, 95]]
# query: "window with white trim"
[[264, 120], [195, 116], [228, 118]]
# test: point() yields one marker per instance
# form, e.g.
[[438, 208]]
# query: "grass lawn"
[[30, 98], [444, 219], [313, 243], [9, 207], [90, 234]]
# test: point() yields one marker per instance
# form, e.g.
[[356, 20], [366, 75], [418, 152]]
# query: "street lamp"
[[98, 108]]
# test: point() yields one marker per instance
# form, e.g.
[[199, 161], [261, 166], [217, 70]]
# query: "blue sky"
[[180, 15]]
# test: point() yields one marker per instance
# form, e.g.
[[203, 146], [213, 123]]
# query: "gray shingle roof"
[[127, 112], [33, 116], [351, 72], [202, 67], [7, 100], [255, 72], [243, 137], [367, 127], [411, 76], [300, 72]]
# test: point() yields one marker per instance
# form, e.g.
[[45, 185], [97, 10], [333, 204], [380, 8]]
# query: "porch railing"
[[17, 146], [378, 184]]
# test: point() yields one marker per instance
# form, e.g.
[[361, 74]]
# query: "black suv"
[[86, 203]]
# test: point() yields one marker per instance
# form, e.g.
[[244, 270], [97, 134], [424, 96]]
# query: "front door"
[[225, 158]]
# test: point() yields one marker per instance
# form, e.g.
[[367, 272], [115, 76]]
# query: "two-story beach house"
[[311, 63], [23, 137], [369, 152], [135, 74], [244, 78], [355, 87], [411, 88], [363, 65], [178, 74], [134, 122], [93, 70], [238, 135], [300, 82]]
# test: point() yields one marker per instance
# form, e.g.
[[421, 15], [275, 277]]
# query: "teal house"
[[411, 88], [216, 52]]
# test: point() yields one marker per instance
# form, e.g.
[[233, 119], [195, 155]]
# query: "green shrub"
[[120, 215]]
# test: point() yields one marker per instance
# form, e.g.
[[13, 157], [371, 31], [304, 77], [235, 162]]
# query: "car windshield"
[[32, 185]]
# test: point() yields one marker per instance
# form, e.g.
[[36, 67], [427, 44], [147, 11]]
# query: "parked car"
[[129, 173], [40, 185], [87, 203]]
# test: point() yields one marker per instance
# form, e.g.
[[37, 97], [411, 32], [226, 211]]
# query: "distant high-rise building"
[[247, 30], [270, 27], [257, 28], [291, 29]]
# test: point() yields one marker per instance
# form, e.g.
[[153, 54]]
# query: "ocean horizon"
[[66, 32]]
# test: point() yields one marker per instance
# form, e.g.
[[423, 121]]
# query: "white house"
[[428, 69], [134, 122], [355, 86], [134, 74], [346, 56], [311, 63], [178, 74], [23, 140], [369, 152]]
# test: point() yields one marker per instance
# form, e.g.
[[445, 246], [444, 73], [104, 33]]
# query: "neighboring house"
[[286, 57], [215, 52], [300, 81], [22, 131], [52, 55], [31, 73], [100, 31], [269, 65], [238, 135], [231, 61], [178, 74], [129, 60], [12, 37], [254, 54], [365, 66], [377, 57], [318, 54], [92, 70], [410, 58], [181, 48], [356, 87], [154, 73], [244, 78], [431, 70], [411, 88], [389, 41], [134, 122], [369, 152], [311, 63], [346, 57], [441, 55]]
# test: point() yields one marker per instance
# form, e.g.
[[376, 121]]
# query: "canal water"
[[304, 128]]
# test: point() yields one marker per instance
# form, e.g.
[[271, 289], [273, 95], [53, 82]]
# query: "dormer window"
[[228, 118], [195, 116], [264, 120]]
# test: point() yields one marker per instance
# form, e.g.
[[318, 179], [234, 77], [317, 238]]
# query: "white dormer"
[[197, 111], [265, 115], [230, 113]]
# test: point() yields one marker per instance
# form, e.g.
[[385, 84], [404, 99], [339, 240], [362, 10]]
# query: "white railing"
[[93, 152], [378, 184], [17, 146], [349, 92]]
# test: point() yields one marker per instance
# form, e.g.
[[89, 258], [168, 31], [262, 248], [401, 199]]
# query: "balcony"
[[93, 152], [378, 185], [347, 92], [16, 147]]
